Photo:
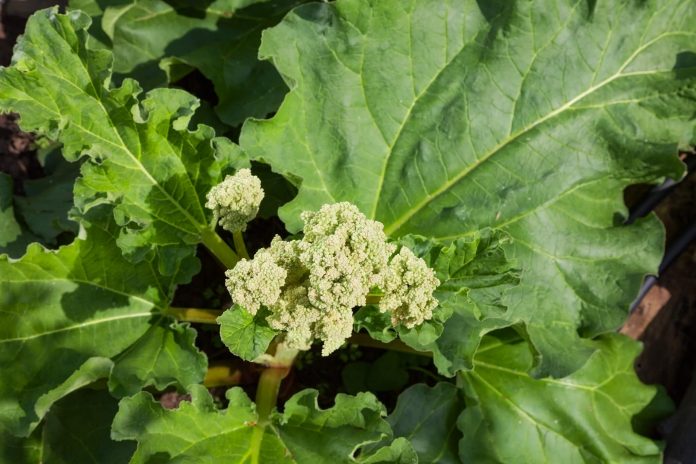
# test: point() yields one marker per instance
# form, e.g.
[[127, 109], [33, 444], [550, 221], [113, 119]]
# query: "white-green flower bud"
[[235, 201], [256, 282], [346, 254], [408, 290], [311, 286], [293, 314]]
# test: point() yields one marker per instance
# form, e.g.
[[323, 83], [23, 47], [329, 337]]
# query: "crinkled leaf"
[[376, 323], [142, 156], [474, 274], [46, 202], [442, 118], [77, 429], [65, 313], [157, 42], [195, 432], [330, 435], [427, 417], [245, 335], [163, 356], [585, 417], [389, 372], [198, 432], [10, 229], [400, 451]]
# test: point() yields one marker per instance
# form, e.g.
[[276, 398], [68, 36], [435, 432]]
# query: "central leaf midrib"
[[534, 421], [124, 148], [78, 326], [399, 222]]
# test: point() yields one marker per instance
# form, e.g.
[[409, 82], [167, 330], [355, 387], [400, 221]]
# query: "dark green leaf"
[[157, 41], [197, 432], [78, 430], [443, 118], [245, 335], [65, 313], [142, 156], [427, 417], [389, 372], [586, 417], [47, 200], [10, 230]]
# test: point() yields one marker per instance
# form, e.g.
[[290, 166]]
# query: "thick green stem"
[[278, 367], [267, 391], [219, 248], [202, 316], [239, 244], [222, 375], [362, 339]]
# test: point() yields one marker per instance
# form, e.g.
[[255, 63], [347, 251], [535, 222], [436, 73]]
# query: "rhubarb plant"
[[441, 181]]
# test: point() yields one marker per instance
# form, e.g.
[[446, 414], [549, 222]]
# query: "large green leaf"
[[427, 417], [155, 41], [587, 417], [13, 240], [441, 118], [474, 274], [197, 432], [142, 156], [77, 429], [65, 313], [46, 202]]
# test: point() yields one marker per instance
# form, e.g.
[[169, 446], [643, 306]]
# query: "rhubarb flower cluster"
[[236, 200], [311, 285]]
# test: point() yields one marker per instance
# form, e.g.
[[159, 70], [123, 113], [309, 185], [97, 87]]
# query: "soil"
[[665, 321], [17, 154]]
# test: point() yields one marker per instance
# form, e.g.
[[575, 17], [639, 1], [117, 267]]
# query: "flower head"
[[345, 253], [408, 290], [235, 201], [256, 282], [311, 286]]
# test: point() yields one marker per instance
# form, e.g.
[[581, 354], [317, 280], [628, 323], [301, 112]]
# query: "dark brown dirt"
[[666, 320], [17, 155]]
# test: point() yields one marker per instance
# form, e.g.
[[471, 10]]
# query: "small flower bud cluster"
[[235, 201], [312, 285], [408, 290]]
